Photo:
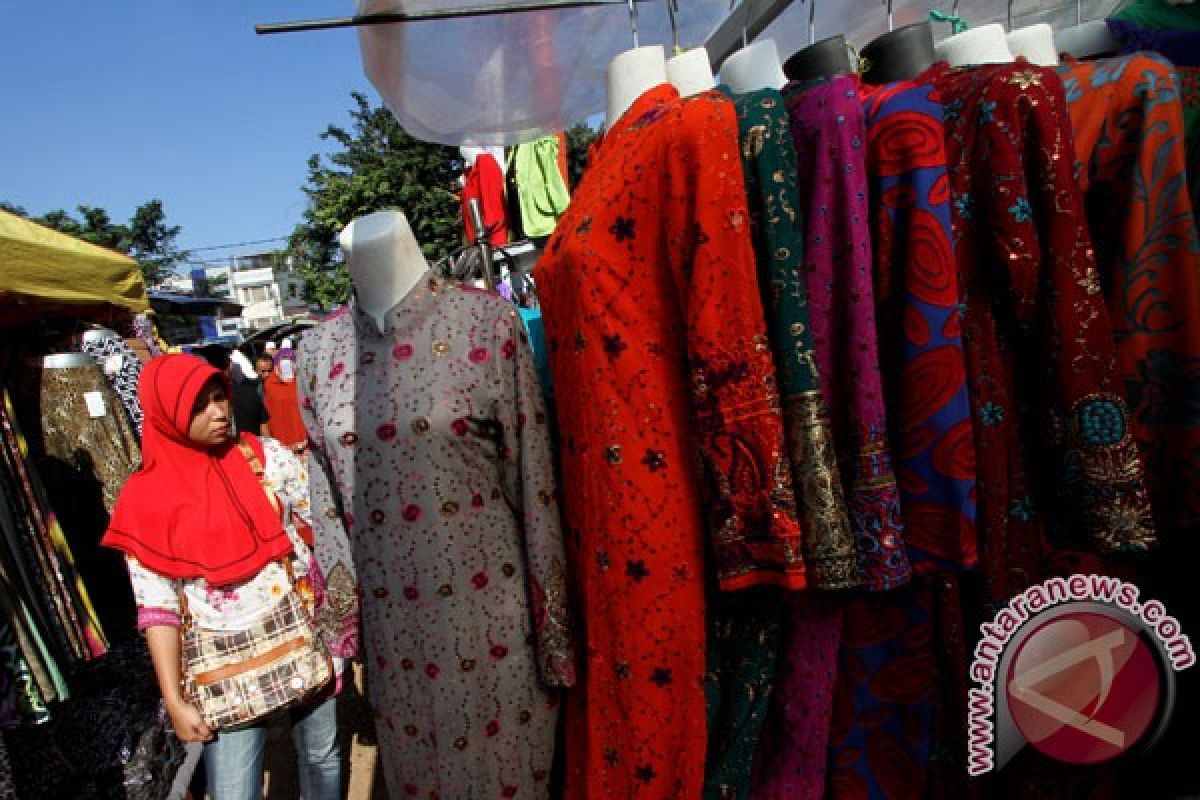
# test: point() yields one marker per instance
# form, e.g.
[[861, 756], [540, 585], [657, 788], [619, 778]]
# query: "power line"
[[235, 244]]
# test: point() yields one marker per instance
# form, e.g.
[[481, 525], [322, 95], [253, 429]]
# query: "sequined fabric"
[[769, 167], [659, 352], [435, 435], [1132, 160], [830, 137]]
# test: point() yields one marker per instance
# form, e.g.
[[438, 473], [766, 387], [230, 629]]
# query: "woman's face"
[[211, 420]]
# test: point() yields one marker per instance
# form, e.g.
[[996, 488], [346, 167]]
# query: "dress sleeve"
[[529, 486], [751, 507], [157, 597], [335, 581]]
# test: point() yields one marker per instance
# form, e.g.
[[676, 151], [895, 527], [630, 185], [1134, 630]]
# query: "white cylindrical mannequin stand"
[[1035, 43], [1092, 38], [986, 44], [690, 72], [384, 261], [630, 75], [756, 66]]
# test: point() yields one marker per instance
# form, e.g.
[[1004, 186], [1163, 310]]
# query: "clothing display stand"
[[481, 241]]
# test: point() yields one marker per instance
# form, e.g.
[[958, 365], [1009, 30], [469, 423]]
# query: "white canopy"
[[509, 78]]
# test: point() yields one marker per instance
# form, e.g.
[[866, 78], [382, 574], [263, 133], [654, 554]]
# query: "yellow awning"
[[43, 270]]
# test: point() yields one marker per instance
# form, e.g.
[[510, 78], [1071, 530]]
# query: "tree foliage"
[[377, 166], [147, 237], [579, 140]]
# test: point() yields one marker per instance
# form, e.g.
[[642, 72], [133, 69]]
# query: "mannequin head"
[[1035, 43], [630, 74], [1089, 40], [827, 58], [384, 260], [899, 55], [986, 44], [756, 66], [690, 72]]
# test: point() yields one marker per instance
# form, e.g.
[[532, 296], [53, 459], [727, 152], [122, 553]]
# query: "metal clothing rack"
[[424, 16], [746, 22]]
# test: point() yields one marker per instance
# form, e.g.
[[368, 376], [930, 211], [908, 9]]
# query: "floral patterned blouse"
[[236, 606]]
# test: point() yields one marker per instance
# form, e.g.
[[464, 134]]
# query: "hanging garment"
[[282, 402], [745, 628], [917, 297], [659, 353], [121, 366], [435, 433], [143, 328], [86, 453], [1052, 439], [485, 182], [778, 223], [1131, 159], [830, 137], [881, 732], [541, 185], [49, 578]]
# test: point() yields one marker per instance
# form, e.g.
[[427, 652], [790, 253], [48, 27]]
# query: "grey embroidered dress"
[[436, 436]]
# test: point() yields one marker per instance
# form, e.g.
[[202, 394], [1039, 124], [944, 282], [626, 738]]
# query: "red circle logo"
[[1083, 688]]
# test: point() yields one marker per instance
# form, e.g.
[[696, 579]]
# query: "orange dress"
[[671, 434], [283, 408]]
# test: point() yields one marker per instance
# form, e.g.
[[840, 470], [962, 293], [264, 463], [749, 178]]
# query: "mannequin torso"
[[986, 44], [1035, 43], [755, 66], [384, 261], [691, 72], [630, 74]]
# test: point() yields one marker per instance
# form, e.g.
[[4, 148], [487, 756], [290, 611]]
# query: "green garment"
[[769, 166], [1161, 14], [541, 188]]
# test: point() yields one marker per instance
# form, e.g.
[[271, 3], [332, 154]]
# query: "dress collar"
[[429, 285]]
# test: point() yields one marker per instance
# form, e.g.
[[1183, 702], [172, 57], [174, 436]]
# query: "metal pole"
[[481, 241]]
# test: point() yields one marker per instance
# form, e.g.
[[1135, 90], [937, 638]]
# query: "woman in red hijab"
[[196, 520]]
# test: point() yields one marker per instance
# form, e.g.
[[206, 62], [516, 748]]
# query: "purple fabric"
[[830, 135], [1181, 48]]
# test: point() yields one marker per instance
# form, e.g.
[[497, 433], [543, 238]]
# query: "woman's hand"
[[189, 725]]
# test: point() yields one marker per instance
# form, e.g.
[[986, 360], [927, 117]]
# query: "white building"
[[262, 283]]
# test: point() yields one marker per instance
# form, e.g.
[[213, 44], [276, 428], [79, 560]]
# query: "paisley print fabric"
[[1132, 161], [435, 435], [830, 137], [921, 350], [659, 354], [769, 166]]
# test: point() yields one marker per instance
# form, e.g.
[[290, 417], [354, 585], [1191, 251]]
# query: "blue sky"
[[114, 103]]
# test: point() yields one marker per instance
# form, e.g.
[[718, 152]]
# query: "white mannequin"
[[690, 72], [756, 66], [1092, 38], [383, 259], [986, 44], [630, 75], [1035, 43]]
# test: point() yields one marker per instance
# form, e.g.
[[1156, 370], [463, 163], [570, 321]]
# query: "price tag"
[[95, 404]]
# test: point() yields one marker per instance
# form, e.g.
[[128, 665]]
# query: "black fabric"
[[249, 411]]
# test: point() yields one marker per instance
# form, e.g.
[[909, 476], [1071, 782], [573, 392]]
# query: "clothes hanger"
[[898, 54], [824, 59], [690, 71]]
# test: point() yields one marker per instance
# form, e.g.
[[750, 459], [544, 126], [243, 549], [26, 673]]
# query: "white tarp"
[[509, 78]]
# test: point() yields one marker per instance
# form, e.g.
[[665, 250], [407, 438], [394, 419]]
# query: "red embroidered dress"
[[659, 354], [1052, 433]]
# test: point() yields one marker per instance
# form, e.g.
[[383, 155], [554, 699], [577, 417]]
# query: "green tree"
[[579, 139], [376, 166], [147, 237]]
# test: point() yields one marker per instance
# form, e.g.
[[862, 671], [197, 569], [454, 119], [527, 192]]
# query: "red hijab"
[[193, 511]]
